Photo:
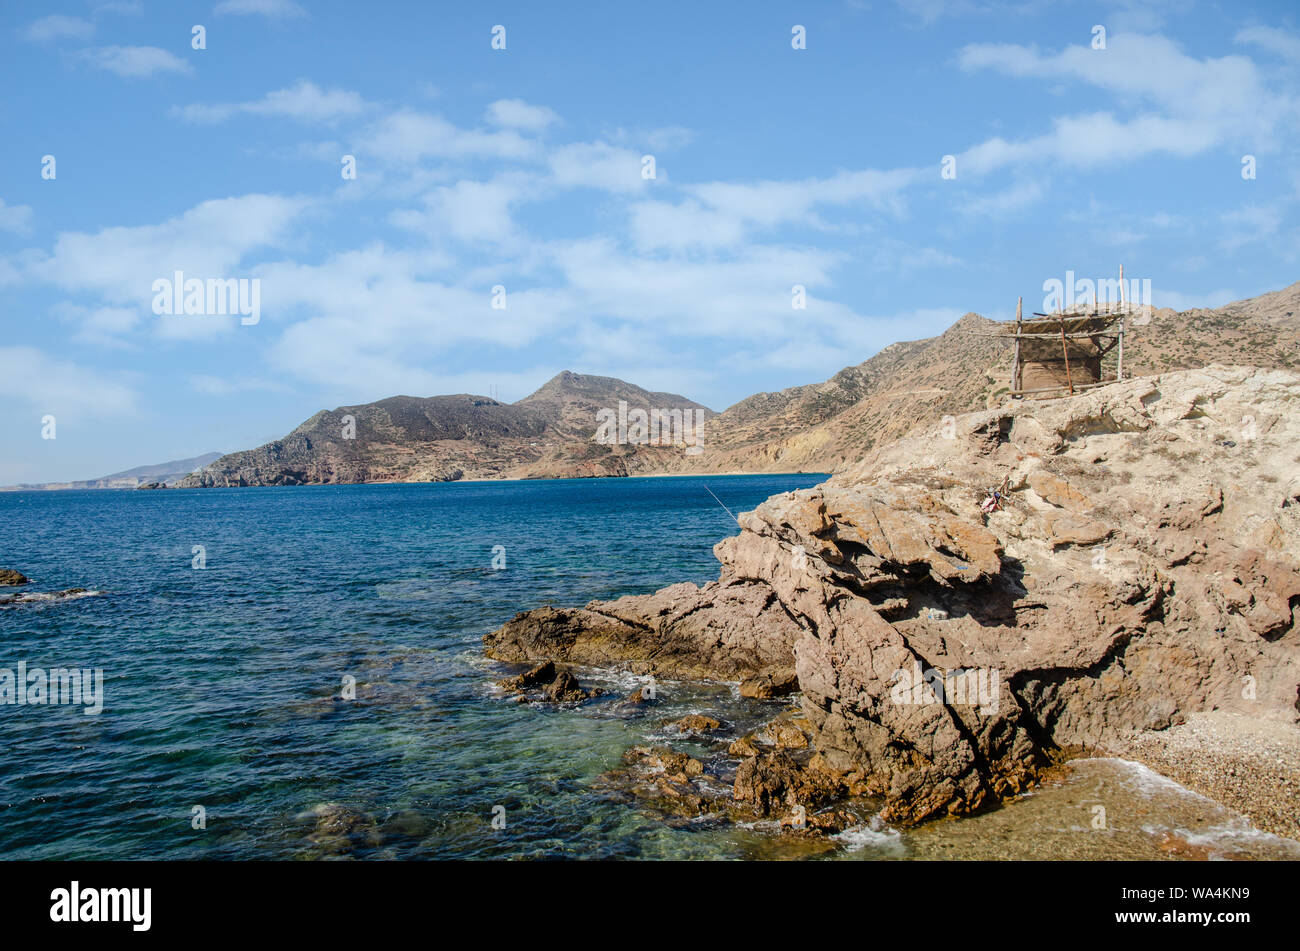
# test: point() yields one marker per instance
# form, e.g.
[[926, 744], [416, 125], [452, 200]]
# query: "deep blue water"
[[220, 683]]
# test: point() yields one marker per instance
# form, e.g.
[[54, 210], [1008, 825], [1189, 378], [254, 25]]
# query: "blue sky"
[[523, 168]]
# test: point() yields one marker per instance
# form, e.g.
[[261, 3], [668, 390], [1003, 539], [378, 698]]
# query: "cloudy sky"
[[526, 168]]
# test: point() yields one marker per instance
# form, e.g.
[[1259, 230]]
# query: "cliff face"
[[1144, 565]]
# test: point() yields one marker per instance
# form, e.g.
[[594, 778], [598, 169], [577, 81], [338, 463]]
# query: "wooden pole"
[[1056, 389], [1065, 352], [1016, 380], [1119, 364]]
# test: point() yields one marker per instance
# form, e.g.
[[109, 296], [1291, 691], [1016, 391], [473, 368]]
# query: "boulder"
[[545, 682], [696, 723]]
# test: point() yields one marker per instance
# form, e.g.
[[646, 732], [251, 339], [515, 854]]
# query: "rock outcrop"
[[40, 597], [11, 576], [546, 683], [1143, 564], [727, 630]]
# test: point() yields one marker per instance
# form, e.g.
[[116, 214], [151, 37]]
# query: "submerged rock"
[[696, 723], [28, 597], [538, 676], [566, 689], [547, 683], [665, 781], [341, 830]]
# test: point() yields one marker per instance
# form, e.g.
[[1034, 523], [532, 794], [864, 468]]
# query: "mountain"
[[818, 427], [914, 385], [444, 438], [164, 472]]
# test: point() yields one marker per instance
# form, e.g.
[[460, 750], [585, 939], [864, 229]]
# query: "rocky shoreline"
[[1137, 569]]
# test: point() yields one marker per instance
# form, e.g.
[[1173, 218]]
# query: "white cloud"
[[598, 165], [677, 227], [721, 214], [59, 27], [304, 101], [275, 9], [517, 114], [1151, 68], [16, 218], [408, 137], [1250, 224], [1006, 202], [471, 211], [381, 320], [661, 139], [47, 385], [768, 204], [1200, 102], [1284, 44], [900, 259], [135, 61], [120, 264], [102, 326]]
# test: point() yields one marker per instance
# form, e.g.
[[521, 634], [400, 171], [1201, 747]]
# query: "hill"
[[168, 473], [818, 427], [445, 438]]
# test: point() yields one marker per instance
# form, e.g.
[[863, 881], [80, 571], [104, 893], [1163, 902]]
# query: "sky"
[[627, 190]]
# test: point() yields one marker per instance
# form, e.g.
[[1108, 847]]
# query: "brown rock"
[[770, 685], [8, 576], [539, 676], [775, 782], [943, 655], [723, 631], [785, 736], [566, 689], [546, 682], [697, 723]]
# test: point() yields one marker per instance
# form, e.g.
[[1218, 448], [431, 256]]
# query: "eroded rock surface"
[[727, 630], [1143, 566]]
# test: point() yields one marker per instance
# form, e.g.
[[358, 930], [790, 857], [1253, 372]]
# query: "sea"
[[298, 673]]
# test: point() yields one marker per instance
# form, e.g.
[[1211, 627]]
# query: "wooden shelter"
[[1062, 353]]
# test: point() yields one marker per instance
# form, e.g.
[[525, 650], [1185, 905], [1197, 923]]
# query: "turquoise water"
[[222, 685]]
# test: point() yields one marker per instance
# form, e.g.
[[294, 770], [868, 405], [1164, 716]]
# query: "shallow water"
[[222, 684]]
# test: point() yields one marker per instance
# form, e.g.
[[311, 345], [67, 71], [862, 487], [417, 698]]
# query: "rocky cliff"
[[1142, 563]]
